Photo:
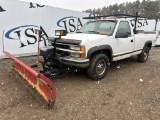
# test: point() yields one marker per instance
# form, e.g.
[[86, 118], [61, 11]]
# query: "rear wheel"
[[98, 66], [144, 55]]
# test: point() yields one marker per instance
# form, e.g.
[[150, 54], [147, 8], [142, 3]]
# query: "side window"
[[124, 28]]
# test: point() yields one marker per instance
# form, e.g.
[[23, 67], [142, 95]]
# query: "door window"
[[124, 27]]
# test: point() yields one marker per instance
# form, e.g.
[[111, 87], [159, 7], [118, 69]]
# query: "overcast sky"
[[79, 5]]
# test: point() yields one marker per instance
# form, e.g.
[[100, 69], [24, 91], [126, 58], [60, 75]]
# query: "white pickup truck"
[[97, 44]]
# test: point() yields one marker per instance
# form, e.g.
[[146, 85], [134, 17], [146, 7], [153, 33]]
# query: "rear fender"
[[148, 44]]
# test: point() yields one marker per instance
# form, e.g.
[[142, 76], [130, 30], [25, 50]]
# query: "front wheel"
[[144, 55], [98, 66]]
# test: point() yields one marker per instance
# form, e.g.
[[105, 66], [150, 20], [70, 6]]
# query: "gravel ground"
[[130, 91]]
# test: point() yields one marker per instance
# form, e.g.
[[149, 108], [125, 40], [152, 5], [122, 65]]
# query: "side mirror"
[[121, 35]]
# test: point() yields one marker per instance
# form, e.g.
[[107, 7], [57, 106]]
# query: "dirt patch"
[[130, 91]]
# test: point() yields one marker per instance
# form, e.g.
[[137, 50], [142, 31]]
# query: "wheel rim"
[[101, 67]]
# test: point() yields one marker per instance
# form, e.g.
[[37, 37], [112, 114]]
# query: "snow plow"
[[38, 84]]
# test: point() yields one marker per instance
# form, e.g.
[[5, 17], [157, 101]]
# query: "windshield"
[[104, 27]]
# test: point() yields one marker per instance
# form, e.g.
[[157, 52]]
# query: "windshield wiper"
[[94, 32], [78, 32]]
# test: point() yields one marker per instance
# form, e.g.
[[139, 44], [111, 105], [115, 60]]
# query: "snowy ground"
[[130, 91]]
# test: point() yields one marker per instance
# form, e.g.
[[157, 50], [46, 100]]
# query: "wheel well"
[[149, 45], [106, 52]]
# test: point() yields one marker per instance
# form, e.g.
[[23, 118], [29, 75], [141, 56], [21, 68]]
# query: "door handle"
[[131, 40]]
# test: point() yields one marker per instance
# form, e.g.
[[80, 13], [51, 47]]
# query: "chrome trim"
[[73, 59], [66, 44], [46, 48], [70, 51]]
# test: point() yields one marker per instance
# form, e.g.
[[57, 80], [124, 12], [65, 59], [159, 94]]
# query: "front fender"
[[99, 48]]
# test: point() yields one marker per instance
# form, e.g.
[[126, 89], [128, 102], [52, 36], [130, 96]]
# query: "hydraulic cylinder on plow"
[[37, 82]]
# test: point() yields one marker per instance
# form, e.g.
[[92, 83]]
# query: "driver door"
[[123, 47]]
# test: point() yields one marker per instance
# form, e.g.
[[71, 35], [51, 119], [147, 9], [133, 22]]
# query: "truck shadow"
[[81, 74]]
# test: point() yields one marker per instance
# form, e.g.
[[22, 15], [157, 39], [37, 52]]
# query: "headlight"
[[49, 43], [77, 48], [78, 55], [75, 55]]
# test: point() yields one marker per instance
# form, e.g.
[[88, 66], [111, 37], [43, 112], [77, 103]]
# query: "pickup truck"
[[96, 45]]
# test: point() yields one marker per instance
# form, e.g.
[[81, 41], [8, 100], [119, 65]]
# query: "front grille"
[[63, 46], [69, 41]]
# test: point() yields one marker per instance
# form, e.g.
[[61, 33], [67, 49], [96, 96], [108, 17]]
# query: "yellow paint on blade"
[[36, 86]]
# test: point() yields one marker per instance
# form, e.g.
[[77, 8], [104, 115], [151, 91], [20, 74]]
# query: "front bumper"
[[75, 62], [48, 52]]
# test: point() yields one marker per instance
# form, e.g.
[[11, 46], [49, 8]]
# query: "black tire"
[[143, 57], [98, 66]]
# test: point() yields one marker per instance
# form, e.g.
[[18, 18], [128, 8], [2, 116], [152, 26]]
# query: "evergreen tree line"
[[146, 8]]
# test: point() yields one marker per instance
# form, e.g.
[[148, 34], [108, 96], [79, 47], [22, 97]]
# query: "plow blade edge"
[[43, 85]]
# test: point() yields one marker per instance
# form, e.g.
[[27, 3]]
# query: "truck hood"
[[84, 37]]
